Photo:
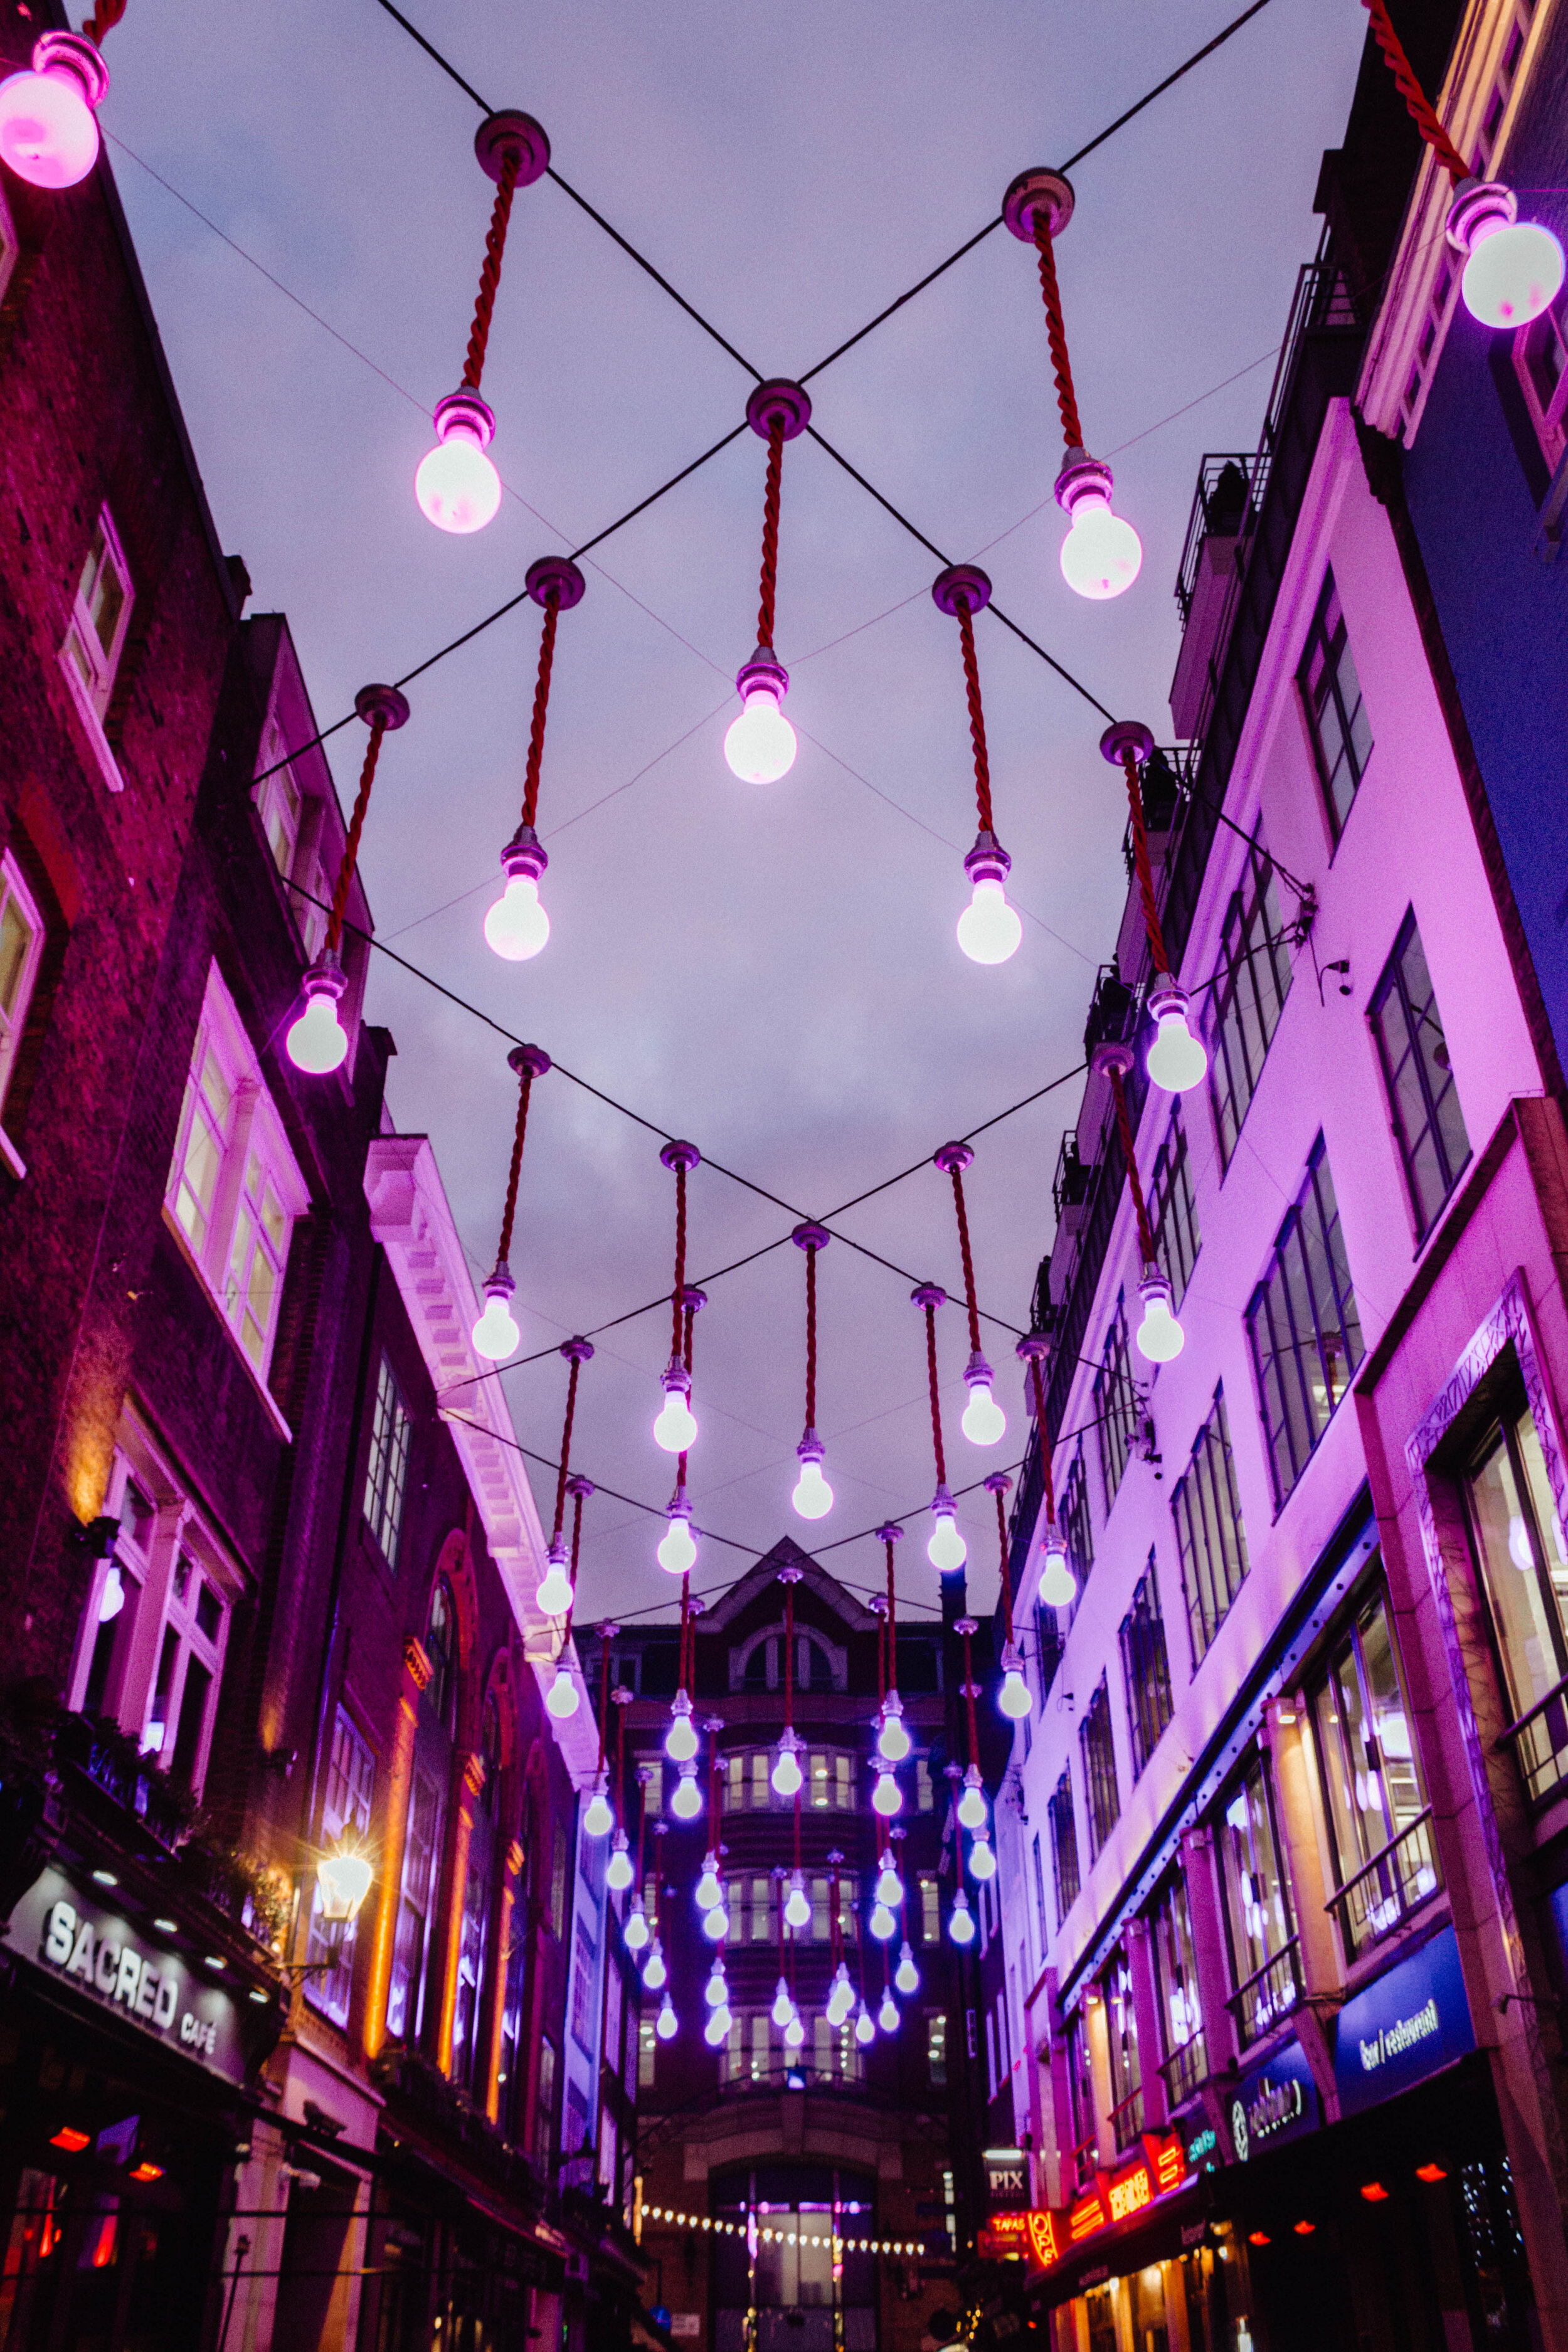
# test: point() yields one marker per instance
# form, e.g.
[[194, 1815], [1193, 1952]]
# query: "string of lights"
[[769, 2236]]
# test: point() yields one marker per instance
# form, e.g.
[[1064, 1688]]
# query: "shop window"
[[1263, 1946], [1523, 1560], [21, 953], [345, 1812], [1185, 2064], [1210, 1537], [1380, 1825], [1304, 1329], [1429, 1124], [1541, 364], [411, 1943], [1100, 2317], [95, 638], [386, 1471], [1103, 1795], [234, 1189], [1115, 1405], [1078, 1528], [1063, 1846], [1172, 1211], [1121, 2042], [1145, 1668], [1248, 996], [936, 2048], [1336, 714]]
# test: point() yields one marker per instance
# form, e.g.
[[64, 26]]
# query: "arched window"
[[490, 1749], [756, 1676], [813, 1666], [439, 1638]]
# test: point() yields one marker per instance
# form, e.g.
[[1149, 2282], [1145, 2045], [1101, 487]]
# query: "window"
[[467, 2068], [1145, 1669], [1379, 1828], [1263, 1944], [279, 804], [1078, 1528], [386, 1473], [234, 1190], [405, 1990], [1429, 1124], [1063, 1846], [1042, 1917], [760, 1665], [1115, 1405], [1210, 1537], [21, 952], [95, 638], [930, 1911], [830, 1776], [544, 2111], [345, 1811], [1172, 1211], [1305, 1332], [936, 2047], [440, 1637], [582, 1973], [1121, 2039], [558, 1860], [1520, 1551], [1084, 2156], [1541, 364], [925, 1795], [834, 2052], [1049, 1646], [647, 2048], [1176, 1990], [1248, 996], [1336, 715], [1100, 1769]]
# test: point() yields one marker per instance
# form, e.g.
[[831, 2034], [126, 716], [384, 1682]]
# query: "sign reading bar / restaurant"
[[1403, 2026], [1048, 2233]]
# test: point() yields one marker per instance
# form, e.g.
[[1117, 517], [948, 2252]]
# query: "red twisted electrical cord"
[[356, 826], [677, 1295], [879, 1607], [563, 1470], [888, 1542], [509, 1214], [811, 1335], [930, 1305], [999, 1483], [644, 1774], [789, 1661], [104, 19], [685, 1628], [1061, 366], [607, 1635], [686, 1358], [540, 706], [976, 714], [1038, 1387], [1419, 107], [956, 1172], [489, 276], [770, 530], [1124, 1129], [1140, 861], [968, 1623]]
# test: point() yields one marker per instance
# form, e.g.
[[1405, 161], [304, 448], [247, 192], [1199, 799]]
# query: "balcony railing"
[[1083, 2162], [1385, 1890], [1540, 1740], [1270, 1992], [1127, 2118], [1183, 2070]]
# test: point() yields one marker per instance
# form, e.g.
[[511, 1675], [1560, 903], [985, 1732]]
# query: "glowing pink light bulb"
[[457, 485], [316, 1040], [1514, 269], [760, 745], [1101, 554], [989, 929], [517, 926], [48, 128], [1177, 1059], [495, 1335]]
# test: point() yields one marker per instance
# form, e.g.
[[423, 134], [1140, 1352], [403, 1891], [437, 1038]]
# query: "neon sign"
[[1056, 2230]]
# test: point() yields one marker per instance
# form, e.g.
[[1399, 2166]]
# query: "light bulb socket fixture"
[[928, 1293], [524, 857], [762, 669], [1082, 476], [942, 1506], [499, 1284], [986, 862], [779, 404], [1038, 190], [811, 1448], [528, 1061], [1034, 1347], [73, 54], [512, 132], [962, 588], [891, 1533], [1109, 1054], [325, 977], [978, 1374], [554, 576], [463, 413], [1124, 735], [1479, 208], [676, 1380], [676, 1154], [997, 1482]]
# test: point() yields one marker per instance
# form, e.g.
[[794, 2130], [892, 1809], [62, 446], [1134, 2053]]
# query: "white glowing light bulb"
[[668, 2024], [112, 1600], [983, 1422], [598, 1820], [884, 1926], [457, 488], [677, 1548], [760, 745], [717, 2027], [797, 1909], [864, 2029], [786, 1775], [636, 1929], [708, 1891], [906, 1976], [517, 926], [554, 1594], [887, 1797], [49, 135], [888, 2015], [1101, 554], [1159, 1337], [676, 1429], [655, 1976], [892, 1739], [316, 1042], [619, 1874], [564, 1698], [982, 1860], [1058, 1586], [890, 1886], [1012, 1698], [794, 2031], [946, 1549], [680, 1741], [687, 1801], [782, 2008], [1177, 1059], [716, 1923], [971, 1804], [715, 1993], [961, 1919], [989, 929], [1514, 267], [841, 1996], [813, 1496]]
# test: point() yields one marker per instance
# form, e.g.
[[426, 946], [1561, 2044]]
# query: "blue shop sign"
[[1274, 2103], [1405, 2025]]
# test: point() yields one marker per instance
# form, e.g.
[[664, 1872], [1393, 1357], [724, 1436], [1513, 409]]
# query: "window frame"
[[1173, 1950], [1274, 1297], [1549, 417], [15, 890], [1244, 1016], [392, 1438], [1538, 1722], [1102, 1786], [1376, 1889], [1172, 1209], [1076, 1521], [1066, 1873], [348, 1802], [90, 666], [1115, 1404], [1394, 987], [1211, 1469], [1252, 2003], [1145, 1669], [1328, 639]]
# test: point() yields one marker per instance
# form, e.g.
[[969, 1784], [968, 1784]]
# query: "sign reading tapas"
[[1052, 2231]]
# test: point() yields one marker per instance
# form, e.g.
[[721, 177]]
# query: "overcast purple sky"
[[772, 971]]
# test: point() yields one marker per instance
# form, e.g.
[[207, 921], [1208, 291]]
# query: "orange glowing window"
[[1375, 2192], [72, 2141], [1257, 2238], [1430, 2172], [1305, 2228], [147, 2172]]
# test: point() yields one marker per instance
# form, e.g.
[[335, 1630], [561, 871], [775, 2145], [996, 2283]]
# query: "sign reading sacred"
[[1044, 2234]]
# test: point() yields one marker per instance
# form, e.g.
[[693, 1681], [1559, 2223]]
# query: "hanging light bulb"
[[517, 926], [49, 130], [112, 1600], [687, 1801], [971, 1804], [1514, 269], [787, 1777], [794, 2031], [983, 1422], [668, 2024], [563, 1697], [887, 1797], [715, 1993], [946, 1549], [675, 1429], [553, 1595], [708, 1889], [813, 1496], [864, 2029], [1012, 1698], [677, 1551], [1177, 1059], [457, 488], [961, 1919], [1058, 1586], [841, 1996], [598, 1820], [316, 1040], [680, 1741], [716, 1923], [654, 1974], [888, 2015], [636, 1928], [496, 1336], [890, 1886], [619, 1874], [1159, 1337], [717, 2027], [760, 745], [906, 1976], [783, 2007], [884, 1926], [892, 1739], [989, 929], [797, 1909], [1101, 554], [982, 1860]]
